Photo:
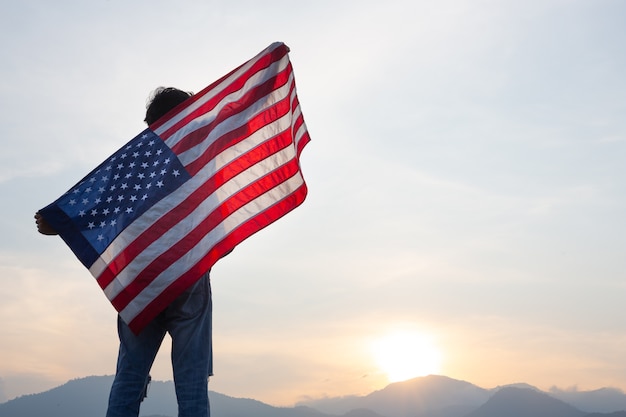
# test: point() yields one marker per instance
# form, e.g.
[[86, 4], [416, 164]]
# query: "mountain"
[[432, 396], [524, 402], [88, 396], [604, 400], [439, 396], [615, 414]]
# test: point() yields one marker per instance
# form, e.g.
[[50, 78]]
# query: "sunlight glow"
[[405, 355]]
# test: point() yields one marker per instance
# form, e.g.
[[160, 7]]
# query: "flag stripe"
[[205, 102], [234, 130], [248, 101]]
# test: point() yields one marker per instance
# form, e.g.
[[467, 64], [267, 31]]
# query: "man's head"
[[162, 100]]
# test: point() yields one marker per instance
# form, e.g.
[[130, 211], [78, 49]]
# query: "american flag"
[[155, 216]]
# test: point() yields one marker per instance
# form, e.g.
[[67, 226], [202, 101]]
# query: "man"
[[187, 319]]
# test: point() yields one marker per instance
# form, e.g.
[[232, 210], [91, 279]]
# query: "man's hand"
[[42, 225]]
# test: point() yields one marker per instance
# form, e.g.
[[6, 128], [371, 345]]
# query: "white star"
[[72, 202], [91, 225], [133, 198], [94, 212], [176, 173], [113, 222], [100, 237], [105, 211], [159, 184], [82, 213], [129, 210], [116, 210]]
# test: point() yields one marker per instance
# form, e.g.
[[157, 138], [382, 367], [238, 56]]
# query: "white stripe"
[[230, 124], [208, 117], [239, 217], [217, 89], [190, 222]]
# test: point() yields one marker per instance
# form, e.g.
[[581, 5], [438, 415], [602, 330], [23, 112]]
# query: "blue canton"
[[122, 188]]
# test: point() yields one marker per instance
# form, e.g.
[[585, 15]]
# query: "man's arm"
[[42, 225]]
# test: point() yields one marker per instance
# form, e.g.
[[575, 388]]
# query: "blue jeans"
[[188, 321]]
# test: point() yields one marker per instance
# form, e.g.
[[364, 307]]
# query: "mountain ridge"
[[430, 396]]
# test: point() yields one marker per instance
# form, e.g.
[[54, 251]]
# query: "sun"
[[404, 355]]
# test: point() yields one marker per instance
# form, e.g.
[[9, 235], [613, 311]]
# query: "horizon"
[[306, 399], [465, 175]]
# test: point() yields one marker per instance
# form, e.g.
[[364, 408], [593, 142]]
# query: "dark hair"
[[162, 100]]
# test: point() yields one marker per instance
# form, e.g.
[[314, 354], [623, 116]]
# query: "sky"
[[466, 179]]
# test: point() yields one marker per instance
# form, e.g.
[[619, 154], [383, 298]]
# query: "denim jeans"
[[188, 321]]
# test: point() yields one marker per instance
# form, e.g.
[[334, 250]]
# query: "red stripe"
[[180, 248], [231, 109], [262, 63], [235, 136], [302, 143]]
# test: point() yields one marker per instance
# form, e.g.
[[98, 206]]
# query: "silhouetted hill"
[[524, 402], [88, 397], [432, 396], [439, 396], [604, 400], [85, 396], [615, 414]]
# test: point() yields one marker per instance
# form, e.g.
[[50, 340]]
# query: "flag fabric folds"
[[155, 216]]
